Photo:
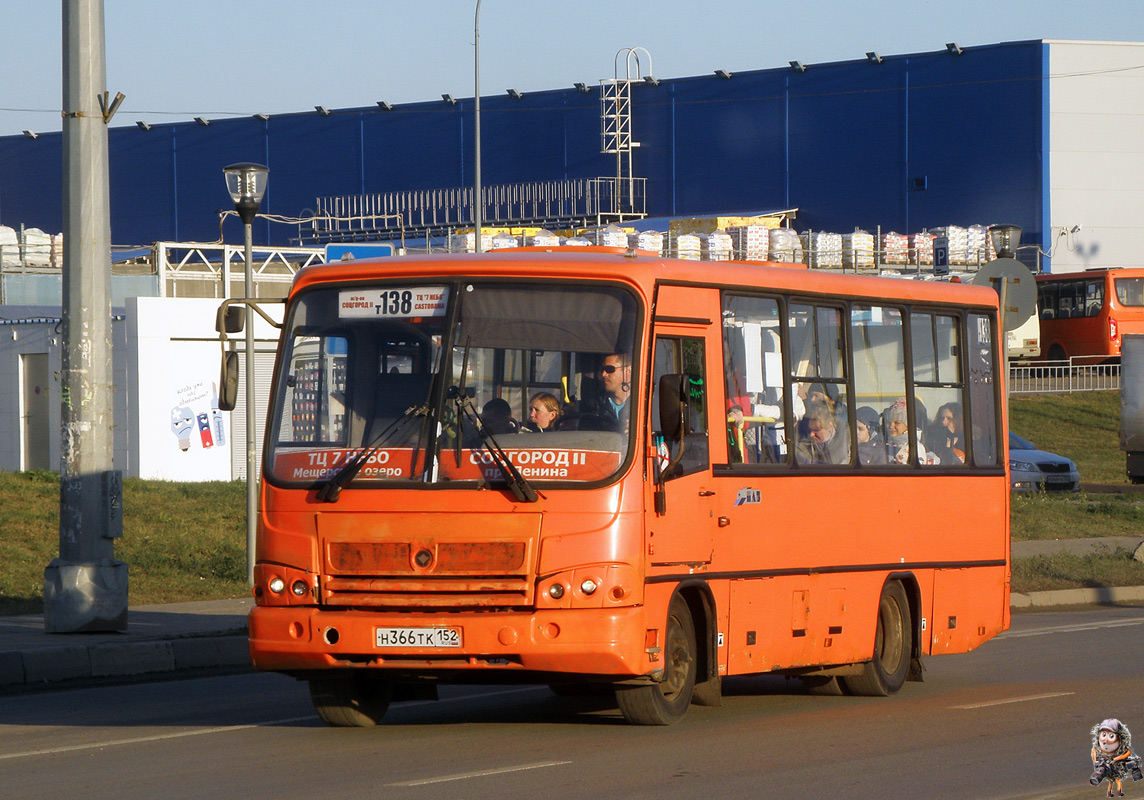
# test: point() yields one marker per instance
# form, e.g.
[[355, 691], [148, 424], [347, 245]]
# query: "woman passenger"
[[543, 412]]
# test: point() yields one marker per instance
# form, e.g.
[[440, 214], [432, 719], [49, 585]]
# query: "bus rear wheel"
[[666, 702], [893, 643], [355, 701]]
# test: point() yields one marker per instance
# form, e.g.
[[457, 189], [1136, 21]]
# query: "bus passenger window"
[[938, 393], [982, 392], [674, 356], [1130, 291], [753, 368], [818, 381], [879, 378]]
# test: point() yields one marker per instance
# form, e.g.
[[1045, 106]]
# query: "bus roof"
[[1127, 272], [645, 270]]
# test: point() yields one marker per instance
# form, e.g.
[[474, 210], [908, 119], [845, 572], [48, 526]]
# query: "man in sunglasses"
[[616, 374]]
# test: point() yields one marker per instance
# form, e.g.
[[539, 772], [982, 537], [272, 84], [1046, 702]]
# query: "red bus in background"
[[1085, 314]]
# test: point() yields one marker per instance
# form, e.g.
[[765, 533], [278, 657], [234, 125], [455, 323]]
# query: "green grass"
[[181, 541], [1084, 426], [1105, 567]]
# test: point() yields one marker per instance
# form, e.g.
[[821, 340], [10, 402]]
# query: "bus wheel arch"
[[893, 651], [708, 682]]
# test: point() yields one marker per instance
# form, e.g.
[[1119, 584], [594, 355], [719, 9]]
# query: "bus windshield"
[[411, 379]]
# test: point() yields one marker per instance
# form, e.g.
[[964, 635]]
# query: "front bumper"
[[577, 641]]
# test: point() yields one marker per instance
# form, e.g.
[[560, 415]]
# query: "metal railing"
[[1062, 377], [586, 200]]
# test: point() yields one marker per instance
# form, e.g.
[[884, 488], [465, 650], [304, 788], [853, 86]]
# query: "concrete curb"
[[1077, 597], [155, 658]]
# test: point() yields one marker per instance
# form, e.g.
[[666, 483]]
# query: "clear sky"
[[178, 59]]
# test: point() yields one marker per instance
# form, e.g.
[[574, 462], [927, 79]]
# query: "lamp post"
[[477, 128], [246, 183], [1005, 239]]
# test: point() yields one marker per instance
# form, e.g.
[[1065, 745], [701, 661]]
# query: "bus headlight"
[[589, 586], [277, 585], [299, 588], [556, 591]]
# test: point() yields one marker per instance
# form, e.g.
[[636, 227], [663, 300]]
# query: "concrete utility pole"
[[85, 589]]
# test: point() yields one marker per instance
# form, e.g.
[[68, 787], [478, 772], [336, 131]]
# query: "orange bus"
[[1084, 314], [741, 475]]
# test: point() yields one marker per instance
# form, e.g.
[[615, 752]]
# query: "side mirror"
[[673, 413], [228, 382], [230, 319]]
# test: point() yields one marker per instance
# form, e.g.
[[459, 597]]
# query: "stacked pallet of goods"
[[895, 248], [651, 241], [980, 245], [686, 245], [503, 241], [750, 242], [577, 241], [612, 236], [921, 244], [858, 250], [469, 242], [823, 250], [958, 243], [785, 246], [9, 247], [542, 238], [715, 246]]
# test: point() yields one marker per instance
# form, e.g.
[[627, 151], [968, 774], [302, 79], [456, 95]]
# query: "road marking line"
[[144, 739], [480, 773], [1120, 623], [1016, 700]]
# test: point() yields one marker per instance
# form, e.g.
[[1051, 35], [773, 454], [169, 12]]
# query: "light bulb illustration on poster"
[[195, 417]]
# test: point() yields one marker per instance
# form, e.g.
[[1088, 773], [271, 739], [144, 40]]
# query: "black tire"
[[357, 701], [666, 702], [893, 643], [823, 685]]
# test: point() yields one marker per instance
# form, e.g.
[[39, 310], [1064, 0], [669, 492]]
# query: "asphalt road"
[[1010, 720]]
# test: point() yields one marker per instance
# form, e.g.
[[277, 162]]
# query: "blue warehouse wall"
[[915, 142]]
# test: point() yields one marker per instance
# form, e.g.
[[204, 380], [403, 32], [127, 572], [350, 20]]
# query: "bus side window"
[[681, 356], [982, 392], [753, 366]]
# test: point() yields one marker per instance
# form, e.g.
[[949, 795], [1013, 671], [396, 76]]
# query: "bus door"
[[681, 531]]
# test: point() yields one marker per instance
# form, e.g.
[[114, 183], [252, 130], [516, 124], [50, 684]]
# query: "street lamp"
[[1005, 239], [246, 183]]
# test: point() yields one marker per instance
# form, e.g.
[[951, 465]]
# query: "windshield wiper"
[[517, 483], [332, 488]]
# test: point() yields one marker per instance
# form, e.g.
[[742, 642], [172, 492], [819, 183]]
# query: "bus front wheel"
[[356, 701], [666, 702], [893, 643]]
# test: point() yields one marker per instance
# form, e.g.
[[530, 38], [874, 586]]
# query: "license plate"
[[1058, 479], [418, 637]]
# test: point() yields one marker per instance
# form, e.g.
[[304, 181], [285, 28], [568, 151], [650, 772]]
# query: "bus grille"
[[427, 574]]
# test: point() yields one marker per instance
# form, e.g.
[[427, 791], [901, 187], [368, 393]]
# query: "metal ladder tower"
[[616, 121]]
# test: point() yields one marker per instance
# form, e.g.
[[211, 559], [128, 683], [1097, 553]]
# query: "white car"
[[1032, 470]]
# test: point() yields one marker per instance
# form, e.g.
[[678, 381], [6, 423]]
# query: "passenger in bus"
[[820, 439], [544, 411], [497, 417], [871, 448], [944, 438], [898, 438]]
